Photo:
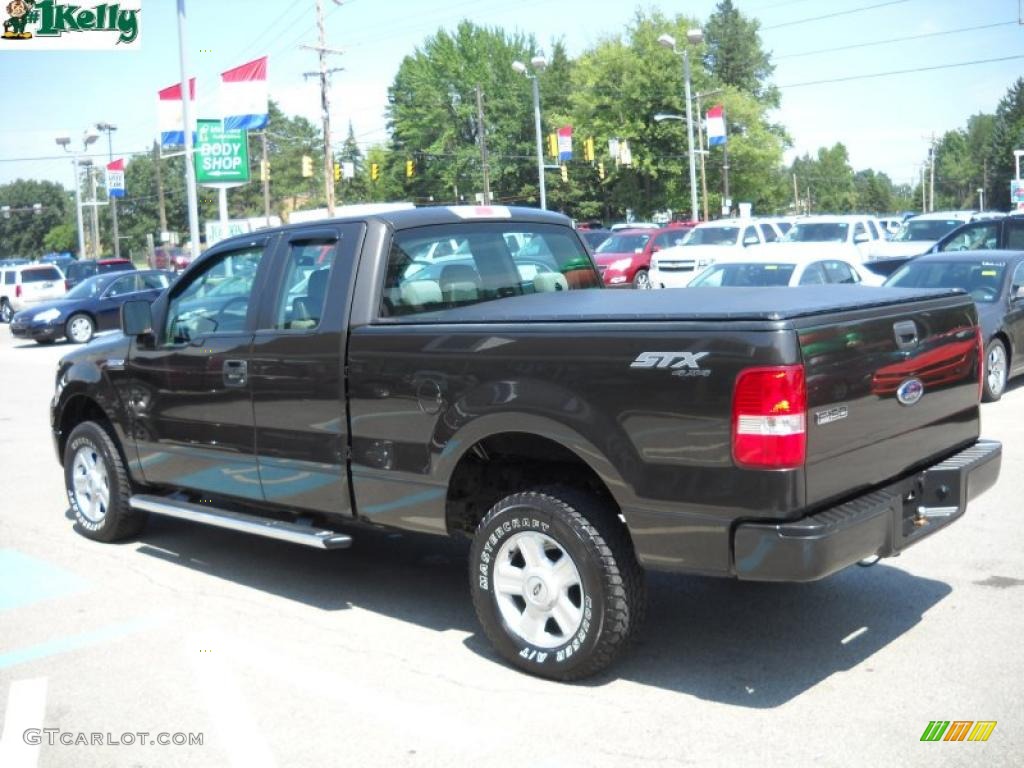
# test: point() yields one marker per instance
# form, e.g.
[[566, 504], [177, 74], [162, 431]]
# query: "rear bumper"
[[883, 522]]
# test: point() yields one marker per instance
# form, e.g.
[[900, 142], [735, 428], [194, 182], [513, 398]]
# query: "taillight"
[[67, 286], [981, 362], [17, 291], [769, 418]]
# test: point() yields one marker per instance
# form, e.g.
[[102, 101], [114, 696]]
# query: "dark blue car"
[[995, 280], [91, 306]]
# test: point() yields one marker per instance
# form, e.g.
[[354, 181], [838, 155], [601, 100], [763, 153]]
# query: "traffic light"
[[307, 167], [374, 171], [410, 169], [600, 170], [264, 170], [337, 172], [565, 172], [553, 144], [588, 150]]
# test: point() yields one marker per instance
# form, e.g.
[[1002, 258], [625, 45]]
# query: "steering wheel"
[[987, 293], [233, 300]]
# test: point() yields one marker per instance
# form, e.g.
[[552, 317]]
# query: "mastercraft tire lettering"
[[555, 582]]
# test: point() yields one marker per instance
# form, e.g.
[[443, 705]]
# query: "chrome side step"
[[238, 521]]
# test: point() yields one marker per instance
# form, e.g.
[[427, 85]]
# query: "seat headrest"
[[459, 273], [417, 293]]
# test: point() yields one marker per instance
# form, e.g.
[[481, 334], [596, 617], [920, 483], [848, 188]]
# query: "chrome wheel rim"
[[996, 369], [6, 313], [538, 590], [642, 281], [81, 329], [90, 484]]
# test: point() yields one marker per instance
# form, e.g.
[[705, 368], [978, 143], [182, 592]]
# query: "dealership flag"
[[115, 178], [171, 115], [716, 126], [565, 143], [243, 96]]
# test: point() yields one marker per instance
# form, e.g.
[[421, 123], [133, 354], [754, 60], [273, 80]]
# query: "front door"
[[1015, 318], [190, 392]]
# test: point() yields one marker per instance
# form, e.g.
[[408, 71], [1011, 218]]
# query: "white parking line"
[[26, 708], [229, 712]]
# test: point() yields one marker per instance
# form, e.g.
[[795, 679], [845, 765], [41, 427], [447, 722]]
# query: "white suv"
[[703, 245], [28, 284]]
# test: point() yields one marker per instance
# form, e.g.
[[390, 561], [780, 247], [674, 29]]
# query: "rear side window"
[[838, 272], [40, 275], [481, 266], [813, 275], [982, 236], [8, 278], [1015, 235], [769, 233], [304, 291]]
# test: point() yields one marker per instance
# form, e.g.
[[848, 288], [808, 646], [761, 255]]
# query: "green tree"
[[62, 238], [1007, 134], [735, 55], [827, 180], [23, 228], [352, 190], [874, 192]]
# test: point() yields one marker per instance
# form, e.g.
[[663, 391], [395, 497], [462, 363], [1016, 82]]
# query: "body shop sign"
[[222, 157]]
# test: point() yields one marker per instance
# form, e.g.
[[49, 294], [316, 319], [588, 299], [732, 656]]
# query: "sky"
[[885, 122]]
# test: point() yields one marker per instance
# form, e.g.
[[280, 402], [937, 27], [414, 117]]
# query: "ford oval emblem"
[[910, 391]]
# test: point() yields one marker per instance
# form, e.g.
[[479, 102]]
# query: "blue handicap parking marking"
[[25, 580]]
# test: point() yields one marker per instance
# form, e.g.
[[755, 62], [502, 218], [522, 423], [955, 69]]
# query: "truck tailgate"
[[888, 391]]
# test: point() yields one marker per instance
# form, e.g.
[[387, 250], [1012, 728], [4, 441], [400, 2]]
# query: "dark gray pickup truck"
[[460, 371]]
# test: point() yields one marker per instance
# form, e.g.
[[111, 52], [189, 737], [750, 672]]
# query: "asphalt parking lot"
[[279, 655]]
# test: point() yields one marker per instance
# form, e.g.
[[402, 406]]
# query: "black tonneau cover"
[[679, 304]]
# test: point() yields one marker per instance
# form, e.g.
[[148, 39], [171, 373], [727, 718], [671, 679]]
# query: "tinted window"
[[116, 267], [154, 282], [9, 278], [123, 285], [624, 244], [926, 229], [1014, 235], [712, 236], [749, 233], [304, 291], [195, 310], [858, 229], [749, 275], [81, 270], [982, 280], [1018, 279], [818, 232], [87, 289], [874, 230], [838, 272], [41, 275], [981, 236], [769, 233], [551, 259], [813, 275]]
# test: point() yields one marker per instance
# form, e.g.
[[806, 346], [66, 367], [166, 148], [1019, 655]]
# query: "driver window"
[[216, 300], [123, 285], [1018, 280], [813, 275], [975, 237]]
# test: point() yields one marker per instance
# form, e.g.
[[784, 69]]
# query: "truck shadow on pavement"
[[745, 644]]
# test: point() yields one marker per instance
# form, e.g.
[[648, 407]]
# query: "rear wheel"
[[996, 370], [555, 582], [97, 485], [79, 328], [6, 312], [642, 280]]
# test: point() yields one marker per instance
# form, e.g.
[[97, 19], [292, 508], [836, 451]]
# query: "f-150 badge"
[[683, 364]]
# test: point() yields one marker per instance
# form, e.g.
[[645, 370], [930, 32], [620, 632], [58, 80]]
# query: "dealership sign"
[[222, 157]]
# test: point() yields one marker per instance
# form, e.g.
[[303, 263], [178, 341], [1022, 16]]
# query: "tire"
[[571, 614], [97, 485], [79, 329], [641, 280], [44, 342], [6, 313], [997, 368]]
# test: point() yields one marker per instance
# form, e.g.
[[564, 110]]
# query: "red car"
[[169, 258], [625, 257]]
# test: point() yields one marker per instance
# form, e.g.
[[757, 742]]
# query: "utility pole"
[[725, 170], [95, 213], [109, 129], [186, 109], [700, 143], [796, 195], [483, 144], [325, 99], [265, 166], [924, 193], [931, 184], [159, 187]]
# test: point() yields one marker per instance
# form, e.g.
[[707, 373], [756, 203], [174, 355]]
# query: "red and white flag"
[[171, 115], [243, 96], [716, 125], [115, 178]]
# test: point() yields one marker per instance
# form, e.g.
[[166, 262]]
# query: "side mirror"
[[752, 240], [863, 237], [136, 318], [1018, 294]]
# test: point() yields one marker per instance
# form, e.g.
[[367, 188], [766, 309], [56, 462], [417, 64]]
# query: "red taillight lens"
[[17, 291], [67, 285], [981, 362], [769, 418]]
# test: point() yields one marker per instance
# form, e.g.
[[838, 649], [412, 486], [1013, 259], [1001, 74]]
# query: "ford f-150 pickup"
[[461, 371]]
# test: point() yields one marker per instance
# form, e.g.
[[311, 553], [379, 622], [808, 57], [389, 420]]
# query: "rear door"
[[297, 370], [190, 391], [41, 283], [888, 389]]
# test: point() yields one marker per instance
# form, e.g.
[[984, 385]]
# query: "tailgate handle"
[[906, 334]]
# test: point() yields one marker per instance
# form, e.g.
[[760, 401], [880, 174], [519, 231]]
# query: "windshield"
[[982, 280], [624, 244], [712, 236], [928, 229], [818, 232], [756, 275], [87, 289]]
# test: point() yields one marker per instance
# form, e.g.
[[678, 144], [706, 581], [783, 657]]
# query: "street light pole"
[[190, 171], [981, 199], [693, 36], [64, 143], [109, 129], [538, 62]]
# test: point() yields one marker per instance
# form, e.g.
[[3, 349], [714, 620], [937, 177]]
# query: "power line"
[[834, 15], [901, 72], [895, 40]]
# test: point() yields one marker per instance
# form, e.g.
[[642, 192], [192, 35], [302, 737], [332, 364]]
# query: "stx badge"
[[683, 364]]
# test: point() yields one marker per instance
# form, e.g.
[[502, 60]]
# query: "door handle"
[[236, 373]]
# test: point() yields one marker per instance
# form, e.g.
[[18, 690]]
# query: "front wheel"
[[555, 582], [642, 280], [97, 485], [996, 370], [79, 328]]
